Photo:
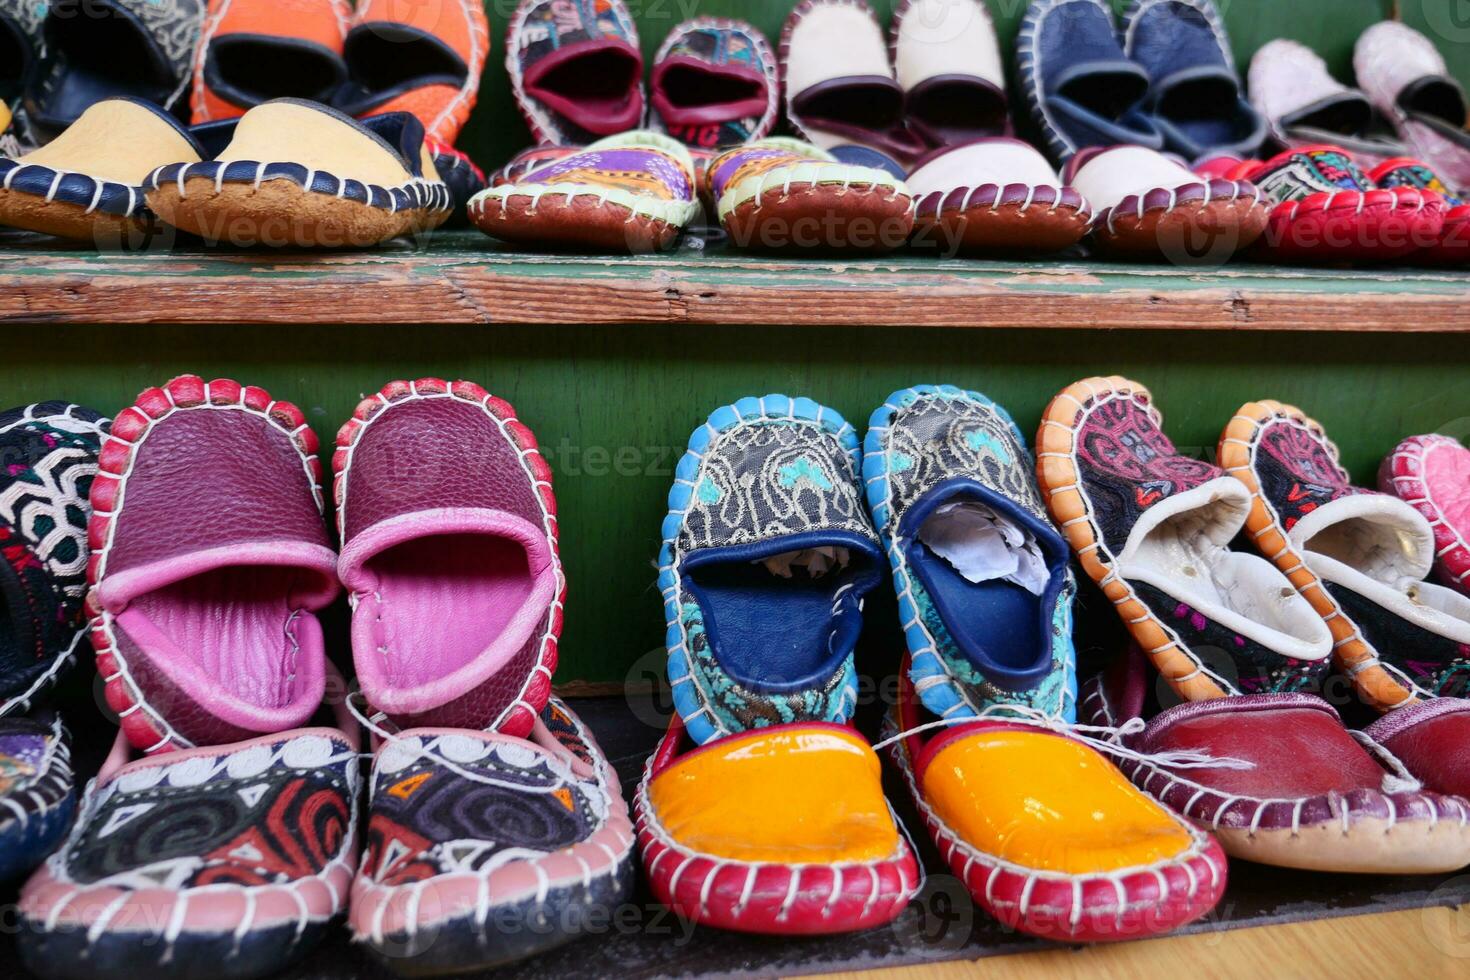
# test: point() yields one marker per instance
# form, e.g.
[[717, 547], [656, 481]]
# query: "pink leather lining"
[[443, 600]]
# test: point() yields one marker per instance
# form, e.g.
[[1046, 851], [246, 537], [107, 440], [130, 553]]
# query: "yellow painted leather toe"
[[795, 794], [1047, 803]]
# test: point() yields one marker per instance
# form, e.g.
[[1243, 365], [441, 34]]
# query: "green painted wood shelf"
[[463, 277]]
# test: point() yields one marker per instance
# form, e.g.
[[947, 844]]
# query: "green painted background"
[[1331, 27], [614, 406]]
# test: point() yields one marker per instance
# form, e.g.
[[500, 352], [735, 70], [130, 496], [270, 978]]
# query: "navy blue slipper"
[[1196, 99], [1082, 89]]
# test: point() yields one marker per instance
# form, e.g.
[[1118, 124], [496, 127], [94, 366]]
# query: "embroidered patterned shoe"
[[486, 526], [209, 562], [50, 452], [485, 849], [1153, 529], [237, 856], [37, 795], [1360, 558], [576, 69], [1047, 835], [781, 195], [1289, 786], [715, 84], [1453, 246], [982, 576], [630, 193], [1432, 475], [767, 555]]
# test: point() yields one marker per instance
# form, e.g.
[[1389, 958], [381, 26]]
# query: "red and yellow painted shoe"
[[781, 830], [1049, 837]]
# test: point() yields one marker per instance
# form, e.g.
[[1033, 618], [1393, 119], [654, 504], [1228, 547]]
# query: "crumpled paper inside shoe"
[[983, 546], [816, 561]]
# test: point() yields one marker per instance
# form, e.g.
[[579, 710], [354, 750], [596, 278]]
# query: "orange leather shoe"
[[253, 51], [416, 57]]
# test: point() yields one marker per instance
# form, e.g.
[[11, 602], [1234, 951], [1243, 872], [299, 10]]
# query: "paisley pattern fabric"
[[267, 812], [48, 457], [463, 802]]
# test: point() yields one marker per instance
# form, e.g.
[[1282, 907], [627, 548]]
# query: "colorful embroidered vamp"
[[715, 84], [37, 793]]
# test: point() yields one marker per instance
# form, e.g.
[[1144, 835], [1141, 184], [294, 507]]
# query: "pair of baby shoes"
[[234, 837]]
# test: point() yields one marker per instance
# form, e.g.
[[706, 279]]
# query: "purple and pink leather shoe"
[[450, 555], [1432, 474]]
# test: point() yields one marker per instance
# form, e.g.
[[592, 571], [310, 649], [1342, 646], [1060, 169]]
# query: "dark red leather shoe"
[[1430, 738]]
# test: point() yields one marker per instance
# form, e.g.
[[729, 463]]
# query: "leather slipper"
[[779, 831], [103, 49], [1082, 89], [629, 193], [239, 856], [984, 580], [1149, 205], [298, 174], [20, 43], [1300, 791], [576, 69], [1429, 737], [209, 562], [715, 84], [1048, 836], [1431, 474], [1360, 558], [37, 791], [530, 160], [1324, 208], [50, 453], [839, 82], [781, 195], [1153, 529], [253, 51], [948, 63], [1195, 98], [484, 849], [995, 195], [1305, 106], [87, 184], [478, 549], [420, 58], [1453, 245], [767, 555], [1405, 75], [462, 179]]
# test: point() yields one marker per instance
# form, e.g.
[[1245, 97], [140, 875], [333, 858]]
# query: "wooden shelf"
[[463, 277]]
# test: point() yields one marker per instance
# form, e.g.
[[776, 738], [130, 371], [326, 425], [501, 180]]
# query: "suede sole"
[[1007, 228], [71, 221], [279, 214]]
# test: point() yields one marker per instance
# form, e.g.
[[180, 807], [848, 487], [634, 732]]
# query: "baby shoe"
[[209, 562], [1324, 208], [983, 578], [87, 184], [235, 856], [488, 527], [947, 61], [995, 195], [420, 58], [1432, 474], [1149, 205], [1046, 834], [1195, 97], [1280, 781], [484, 849], [50, 453], [766, 558], [1153, 529], [1082, 89], [1453, 245], [839, 80], [299, 174], [37, 792], [628, 193], [253, 51], [1429, 737], [102, 49], [20, 42], [1360, 558], [1405, 76], [1305, 106], [530, 160], [576, 69], [715, 84], [782, 195]]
